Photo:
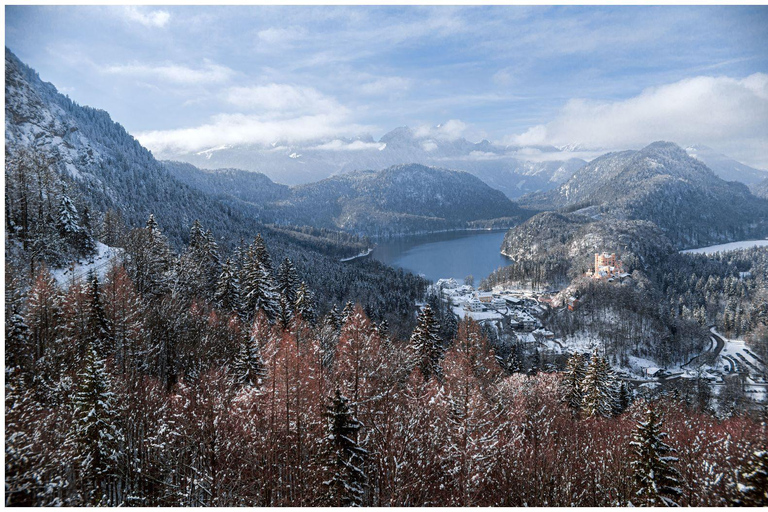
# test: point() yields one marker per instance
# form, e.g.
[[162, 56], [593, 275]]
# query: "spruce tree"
[[426, 345], [575, 372], [623, 398], [227, 295], [98, 327], [345, 458], [259, 290], [349, 308], [305, 304], [288, 282], [753, 490], [248, 367], [598, 388], [94, 433], [656, 478]]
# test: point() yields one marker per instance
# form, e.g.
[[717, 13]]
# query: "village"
[[507, 311]]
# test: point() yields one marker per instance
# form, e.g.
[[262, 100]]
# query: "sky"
[[185, 79]]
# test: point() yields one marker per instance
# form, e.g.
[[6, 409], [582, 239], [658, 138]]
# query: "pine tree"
[[305, 304], [259, 289], [68, 223], [288, 283], [656, 478], [598, 388], [575, 372], [426, 345], [753, 490], [227, 294], [248, 367], [94, 433], [623, 398], [98, 327], [345, 458], [151, 261], [349, 308], [17, 347]]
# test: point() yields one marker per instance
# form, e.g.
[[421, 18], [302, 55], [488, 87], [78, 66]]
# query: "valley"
[[256, 292]]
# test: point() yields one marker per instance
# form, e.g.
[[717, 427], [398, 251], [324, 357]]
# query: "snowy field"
[[733, 246], [99, 263]]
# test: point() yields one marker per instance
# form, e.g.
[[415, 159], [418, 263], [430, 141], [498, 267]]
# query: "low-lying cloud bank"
[[726, 113]]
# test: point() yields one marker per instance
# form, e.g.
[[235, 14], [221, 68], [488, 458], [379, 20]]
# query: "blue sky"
[[191, 78]]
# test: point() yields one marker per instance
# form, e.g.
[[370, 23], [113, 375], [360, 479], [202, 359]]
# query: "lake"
[[455, 254]]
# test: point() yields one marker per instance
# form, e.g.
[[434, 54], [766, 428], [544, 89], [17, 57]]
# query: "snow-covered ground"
[[361, 255], [735, 356], [99, 263], [733, 246], [477, 316]]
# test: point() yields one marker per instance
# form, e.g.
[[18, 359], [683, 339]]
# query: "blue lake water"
[[454, 254]]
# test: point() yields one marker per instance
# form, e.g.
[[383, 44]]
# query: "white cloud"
[[208, 74], [725, 113], [357, 145], [157, 18], [385, 85], [236, 129], [281, 35], [281, 99], [450, 130]]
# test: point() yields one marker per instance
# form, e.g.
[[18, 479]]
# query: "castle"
[[607, 266]]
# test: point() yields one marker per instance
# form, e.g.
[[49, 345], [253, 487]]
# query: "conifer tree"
[[258, 286], [94, 433], [753, 490], [305, 304], [349, 308], [623, 398], [598, 388], [98, 326], [656, 478], [426, 345], [150, 261], [227, 295], [288, 282], [575, 372], [345, 458], [248, 367]]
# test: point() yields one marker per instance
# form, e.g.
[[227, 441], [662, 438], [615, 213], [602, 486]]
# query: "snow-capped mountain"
[[726, 167], [662, 184], [505, 168]]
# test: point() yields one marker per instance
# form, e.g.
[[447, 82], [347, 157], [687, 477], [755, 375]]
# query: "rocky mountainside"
[[98, 159], [662, 184], [501, 167]]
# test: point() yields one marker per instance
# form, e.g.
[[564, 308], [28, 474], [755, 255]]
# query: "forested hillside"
[[398, 200], [663, 185]]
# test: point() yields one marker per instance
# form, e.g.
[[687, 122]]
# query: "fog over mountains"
[[511, 169]]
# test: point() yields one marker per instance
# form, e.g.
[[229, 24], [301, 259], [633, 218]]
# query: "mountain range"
[[398, 200], [662, 184], [504, 168]]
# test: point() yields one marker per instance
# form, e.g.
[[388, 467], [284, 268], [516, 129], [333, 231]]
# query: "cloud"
[[725, 113], [283, 99], [450, 130], [157, 18], [210, 73], [280, 35], [236, 129], [385, 85], [358, 145]]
